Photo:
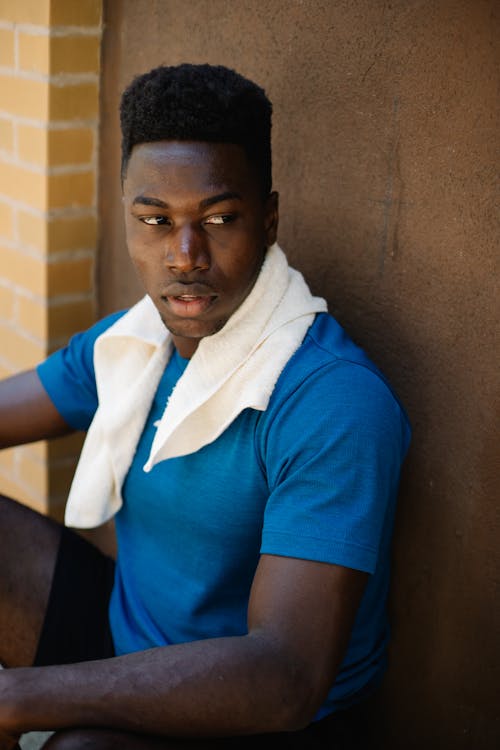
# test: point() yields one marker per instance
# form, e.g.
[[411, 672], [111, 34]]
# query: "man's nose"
[[186, 249]]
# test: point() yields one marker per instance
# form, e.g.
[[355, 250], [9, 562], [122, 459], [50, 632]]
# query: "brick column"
[[49, 81]]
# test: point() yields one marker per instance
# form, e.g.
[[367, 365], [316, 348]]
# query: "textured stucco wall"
[[386, 153]]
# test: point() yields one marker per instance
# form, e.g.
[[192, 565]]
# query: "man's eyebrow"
[[227, 196], [146, 200]]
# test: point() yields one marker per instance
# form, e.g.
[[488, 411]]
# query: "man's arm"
[[26, 411], [272, 679]]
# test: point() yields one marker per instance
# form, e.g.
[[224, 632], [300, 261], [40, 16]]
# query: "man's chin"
[[192, 329]]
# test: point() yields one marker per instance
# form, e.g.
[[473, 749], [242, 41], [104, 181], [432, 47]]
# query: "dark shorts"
[[76, 626]]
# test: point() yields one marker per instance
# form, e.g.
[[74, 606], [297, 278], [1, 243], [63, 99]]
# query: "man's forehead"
[[221, 165], [188, 152]]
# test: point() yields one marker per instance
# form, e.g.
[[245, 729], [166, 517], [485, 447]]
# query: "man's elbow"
[[301, 698]]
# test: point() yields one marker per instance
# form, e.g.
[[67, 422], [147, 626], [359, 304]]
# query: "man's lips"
[[188, 300], [186, 289]]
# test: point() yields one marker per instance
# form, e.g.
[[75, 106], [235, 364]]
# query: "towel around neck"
[[234, 369]]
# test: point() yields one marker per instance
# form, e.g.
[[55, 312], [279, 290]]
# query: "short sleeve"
[[333, 453], [69, 379]]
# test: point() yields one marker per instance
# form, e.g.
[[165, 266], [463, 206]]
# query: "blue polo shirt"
[[315, 476]]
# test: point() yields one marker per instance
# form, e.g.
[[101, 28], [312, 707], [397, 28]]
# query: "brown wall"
[[385, 143]]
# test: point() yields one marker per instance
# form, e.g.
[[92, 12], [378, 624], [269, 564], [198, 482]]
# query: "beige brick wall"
[[49, 97]]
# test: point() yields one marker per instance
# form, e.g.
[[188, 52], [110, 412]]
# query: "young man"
[[248, 451]]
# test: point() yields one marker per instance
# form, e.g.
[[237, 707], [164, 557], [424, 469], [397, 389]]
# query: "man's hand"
[[10, 728], [8, 741]]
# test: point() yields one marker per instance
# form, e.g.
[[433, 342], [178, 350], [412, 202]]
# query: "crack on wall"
[[392, 201]]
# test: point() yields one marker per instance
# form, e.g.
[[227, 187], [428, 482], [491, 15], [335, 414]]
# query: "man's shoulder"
[[329, 366], [327, 346]]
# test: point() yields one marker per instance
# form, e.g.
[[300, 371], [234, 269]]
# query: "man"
[[248, 451]]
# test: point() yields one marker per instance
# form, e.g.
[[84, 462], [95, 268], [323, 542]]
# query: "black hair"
[[198, 103]]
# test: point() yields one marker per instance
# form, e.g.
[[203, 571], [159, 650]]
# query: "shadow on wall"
[[431, 334]]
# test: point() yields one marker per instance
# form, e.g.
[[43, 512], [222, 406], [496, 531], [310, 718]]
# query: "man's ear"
[[271, 218]]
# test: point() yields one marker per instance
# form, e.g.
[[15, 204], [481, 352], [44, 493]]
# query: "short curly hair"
[[198, 103]]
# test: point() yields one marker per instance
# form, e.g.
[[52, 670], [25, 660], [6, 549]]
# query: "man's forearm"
[[225, 686]]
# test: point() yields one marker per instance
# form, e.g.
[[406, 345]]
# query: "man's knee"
[[27, 558]]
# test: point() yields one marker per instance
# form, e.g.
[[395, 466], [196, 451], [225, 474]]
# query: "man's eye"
[[154, 220], [219, 219]]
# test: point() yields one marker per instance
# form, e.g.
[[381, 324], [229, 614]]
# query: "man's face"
[[197, 230]]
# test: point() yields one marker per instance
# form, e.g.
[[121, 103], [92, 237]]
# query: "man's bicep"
[[26, 411], [309, 608]]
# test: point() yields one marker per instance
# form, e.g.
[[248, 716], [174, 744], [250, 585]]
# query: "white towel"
[[234, 369]]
